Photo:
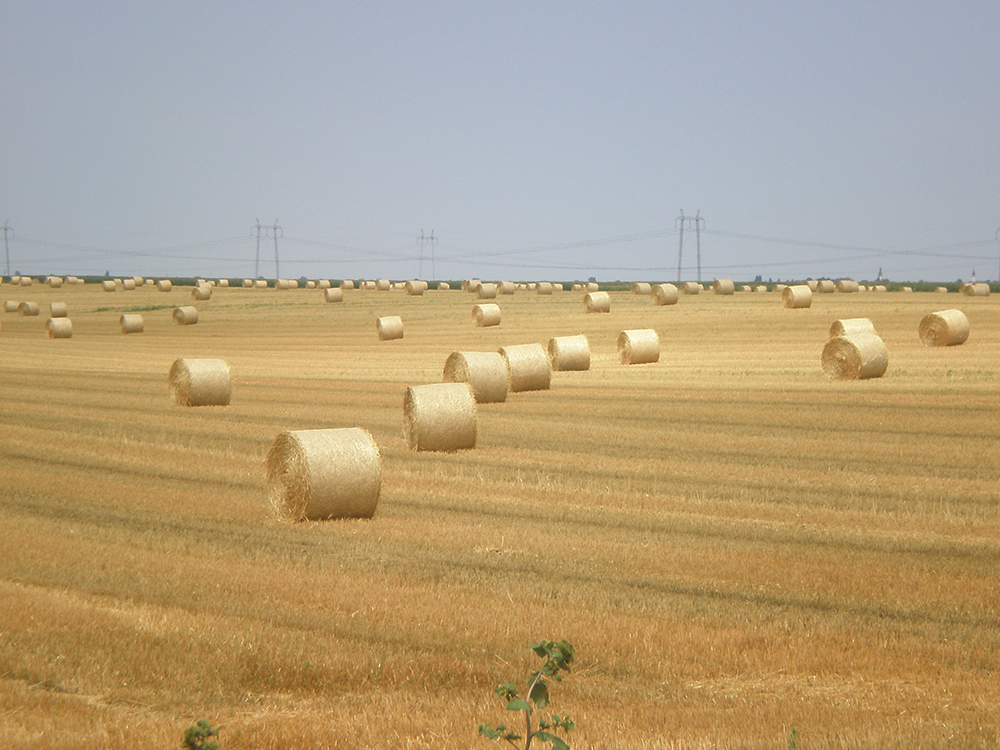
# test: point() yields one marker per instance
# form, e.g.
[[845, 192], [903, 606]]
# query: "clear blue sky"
[[537, 140]]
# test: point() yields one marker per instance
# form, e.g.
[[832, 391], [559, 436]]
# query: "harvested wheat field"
[[738, 546]]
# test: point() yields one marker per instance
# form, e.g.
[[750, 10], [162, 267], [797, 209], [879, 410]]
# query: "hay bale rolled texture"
[[486, 314], [54, 281], [389, 328], [383, 285], [857, 356], [444, 286], [642, 287], [186, 315], [847, 286], [333, 294], [506, 287], [323, 474], [440, 417], [746, 288], [414, 288], [941, 289], [977, 290], [260, 284], [347, 284], [826, 286], [724, 287], [323, 284], [569, 353], [247, 283], [131, 323], [223, 283], [487, 291], [880, 288], [28, 309], [597, 302], [485, 372], [665, 294], [690, 287], [591, 286], [543, 287], [310, 284], [797, 297], [201, 292], [59, 328], [639, 347], [164, 285], [26, 281], [108, 285], [528, 368], [944, 328], [760, 288], [128, 285], [58, 310], [200, 382], [10, 305], [849, 326]]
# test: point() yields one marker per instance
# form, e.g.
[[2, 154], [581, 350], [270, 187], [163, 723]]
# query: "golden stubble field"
[[736, 545]]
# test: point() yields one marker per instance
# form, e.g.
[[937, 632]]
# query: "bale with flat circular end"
[[347, 284], [797, 297], [414, 288], [847, 286], [826, 286], [528, 368], [440, 417], [323, 284], [444, 286], [487, 291], [223, 283], [591, 286], [28, 309], [850, 326], [26, 281], [486, 314], [164, 285], [543, 287], [333, 294], [857, 356], [59, 328], [108, 285], [941, 289], [485, 372], [200, 382], [597, 302], [58, 310], [201, 292], [54, 282], [10, 305], [569, 353], [724, 287], [642, 287], [665, 294], [383, 285], [639, 347], [128, 285], [260, 284], [977, 290], [746, 288], [186, 316], [389, 328], [506, 287], [879, 288], [248, 283], [944, 328], [690, 287], [131, 323]]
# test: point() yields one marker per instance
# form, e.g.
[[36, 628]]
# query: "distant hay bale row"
[[440, 417], [856, 356], [597, 302], [485, 372], [637, 347], [389, 328], [797, 297], [486, 315], [200, 382], [569, 353], [944, 328], [976, 290], [665, 294]]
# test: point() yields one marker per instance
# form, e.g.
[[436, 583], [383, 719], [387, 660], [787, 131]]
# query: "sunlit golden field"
[[736, 545]]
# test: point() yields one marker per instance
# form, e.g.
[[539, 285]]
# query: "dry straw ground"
[[737, 545]]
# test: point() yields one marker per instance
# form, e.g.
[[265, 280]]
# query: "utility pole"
[[8, 230], [687, 222], [275, 232], [431, 239], [680, 249], [998, 261], [698, 224]]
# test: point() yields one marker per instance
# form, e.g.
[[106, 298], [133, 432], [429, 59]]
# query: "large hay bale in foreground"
[[665, 294], [440, 417], [486, 314], [642, 287], [164, 285], [725, 287], [58, 310], [323, 474], [333, 294], [131, 323], [389, 327], [528, 368], [797, 297], [977, 290], [28, 309], [857, 356], [944, 328], [849, 326], [186, 315], [597, 302], [487, 291], [639, 347], [201, 292], [485, 372], [569, 353], [200, 382], [59, 328]]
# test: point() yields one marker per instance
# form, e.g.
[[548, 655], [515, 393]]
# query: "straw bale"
[[597, 302], [147, 282], [780, 288], [310, 284], [58, 310], [977, 290], [186, 315], [371, 285], [485, 372], [578, 287], [746, 288], [569, 353], [444, 286], [347, 284], [528, 368], [131, 323], [223, 283], [164, 285], [847, 286], [15, 280], [414, 288], [59, 328], [850, 326], [797, 297], [281, 284], [591, 286], [293, 283], [941, 289], [690, 287], [200, 382], [440, 417], [826, 286], [10, 305], [906, 289], [108, 285], [544, 287], [26, 281], [54, 282], [383, 285], [880, 288], [28, 309], [944, 328], [557, 286], [333, 294], [760, 288], [724, 287], [247, 283], [201, 292], [487, 291], [639, 347], [323, 474], [324, 284], [506, 287], [857, 356], [486, 314], [813, 285], [665, 294], [260, 284], [389, 328], [642, 287], [128, 285]]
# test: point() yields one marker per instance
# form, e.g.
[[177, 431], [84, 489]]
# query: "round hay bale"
[[690, 287], [781, 288], [485, 372], [200, 382], [724, 287], [486, 314], [164, 285], [310, 285], [281, 284], [826, 286], [260, 284], [977, 290], [414, 288], [591, 286], [147, 282], [347, 284], [879, 288], [10, 305], [333, 294], [847, 286], [813, 285], [941, 289], [797, 297], [383, 285], [944, 328], [642, 287], [59, 328], [323, 284], [201, 292], [293, 283], [322, 474], [578, 287], [639, 347], [506, 287], [26, 281], [15, 280], [128, 285], [746, 288], [131, 323], [760, 288], [444, 286], [850, 326], [487, 291], [528, 368], [440, 417], [248, 283], [58, 310], [54, 282], [858, 356], [223, 283], [665, 294], [186, 315], [543, 287], [597, 302], [389, 328], [28, 309], [569, 353], [908, 289], [108, 285]]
